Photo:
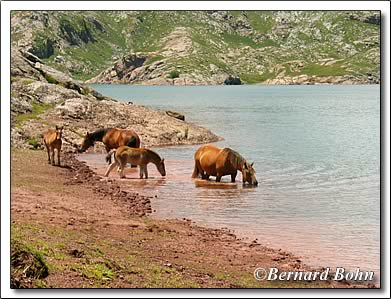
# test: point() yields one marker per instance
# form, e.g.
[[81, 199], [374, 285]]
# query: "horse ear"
[[163, 160], [252, 164], [56, 127], [88, 134], [245, 165]]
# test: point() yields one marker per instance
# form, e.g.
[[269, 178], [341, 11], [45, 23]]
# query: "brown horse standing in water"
[[213, 161], [112, 138], [52, 140], [135, 156]]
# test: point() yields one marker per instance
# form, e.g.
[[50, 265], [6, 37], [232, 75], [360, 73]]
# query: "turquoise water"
[[316, 150]]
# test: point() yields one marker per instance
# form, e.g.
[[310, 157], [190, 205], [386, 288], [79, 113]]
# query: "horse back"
[[115, 138], [49, 136], [127, 154]]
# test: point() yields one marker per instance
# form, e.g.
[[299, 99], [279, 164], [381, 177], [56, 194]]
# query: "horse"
[[136, 156], [52, 141], [210, 160], [112, 138]]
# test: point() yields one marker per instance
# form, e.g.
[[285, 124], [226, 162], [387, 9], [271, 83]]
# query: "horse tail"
[[108, 157]]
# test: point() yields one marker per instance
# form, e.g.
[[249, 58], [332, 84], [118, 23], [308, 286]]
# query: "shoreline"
[[184, 247]]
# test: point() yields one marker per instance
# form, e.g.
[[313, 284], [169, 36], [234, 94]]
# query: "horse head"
[[87, 142], [59, 132], [161, 168], [248, 174]]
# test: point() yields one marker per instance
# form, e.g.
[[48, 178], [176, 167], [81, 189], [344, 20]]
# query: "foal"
[[52, 140], [135, 156]]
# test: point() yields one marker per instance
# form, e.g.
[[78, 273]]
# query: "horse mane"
[[154, 155], [234, 158], [98, 134]]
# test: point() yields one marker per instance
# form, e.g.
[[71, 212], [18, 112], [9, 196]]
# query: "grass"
[[37, 110], [99, 272], [262, 22], [323, 70], [251, 78], [28, 264], [152, 59]]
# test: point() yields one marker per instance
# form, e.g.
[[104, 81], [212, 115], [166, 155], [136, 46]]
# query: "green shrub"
[[173, 74], [33, 142]]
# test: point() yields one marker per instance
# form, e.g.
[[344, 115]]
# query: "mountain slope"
[[204, 47]]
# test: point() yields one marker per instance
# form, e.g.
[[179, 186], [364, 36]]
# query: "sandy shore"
[[90, 233]]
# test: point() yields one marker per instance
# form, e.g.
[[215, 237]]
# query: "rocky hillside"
[[205, 47]]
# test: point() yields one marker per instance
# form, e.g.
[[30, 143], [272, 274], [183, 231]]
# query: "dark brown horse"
[[210, 160], [112, 138]]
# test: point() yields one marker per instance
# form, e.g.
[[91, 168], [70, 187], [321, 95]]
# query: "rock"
[[75, 108], [175, 114], [232, 81], [59, 59]]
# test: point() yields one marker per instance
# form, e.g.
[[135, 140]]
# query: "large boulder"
[[232, 81]]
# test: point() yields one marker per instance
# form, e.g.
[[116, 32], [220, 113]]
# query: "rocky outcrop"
[[371, 18], [67, 102], [124, 70]]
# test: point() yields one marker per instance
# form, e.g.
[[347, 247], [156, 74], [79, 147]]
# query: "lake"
[[316, 151]]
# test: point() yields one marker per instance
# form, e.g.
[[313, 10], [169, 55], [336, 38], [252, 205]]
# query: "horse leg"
[[122, 164], [52, 154], [218, 177], [47, 148], [58, 156], [204, 176], [146, 171], [233, 177], [108, 157], [110, 168], [141, 171]]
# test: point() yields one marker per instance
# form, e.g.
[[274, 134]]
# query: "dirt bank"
[[89, 233]]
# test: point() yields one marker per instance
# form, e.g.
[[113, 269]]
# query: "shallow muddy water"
[[317, 156]]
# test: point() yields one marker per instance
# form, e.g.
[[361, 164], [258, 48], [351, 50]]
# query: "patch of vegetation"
[[173, 74], [323, 70], [27, 265], [96, 271], [37, 110], [236, 40], [251, 78], [261, 21], [153, 59], [33, 142], [50, 79]]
